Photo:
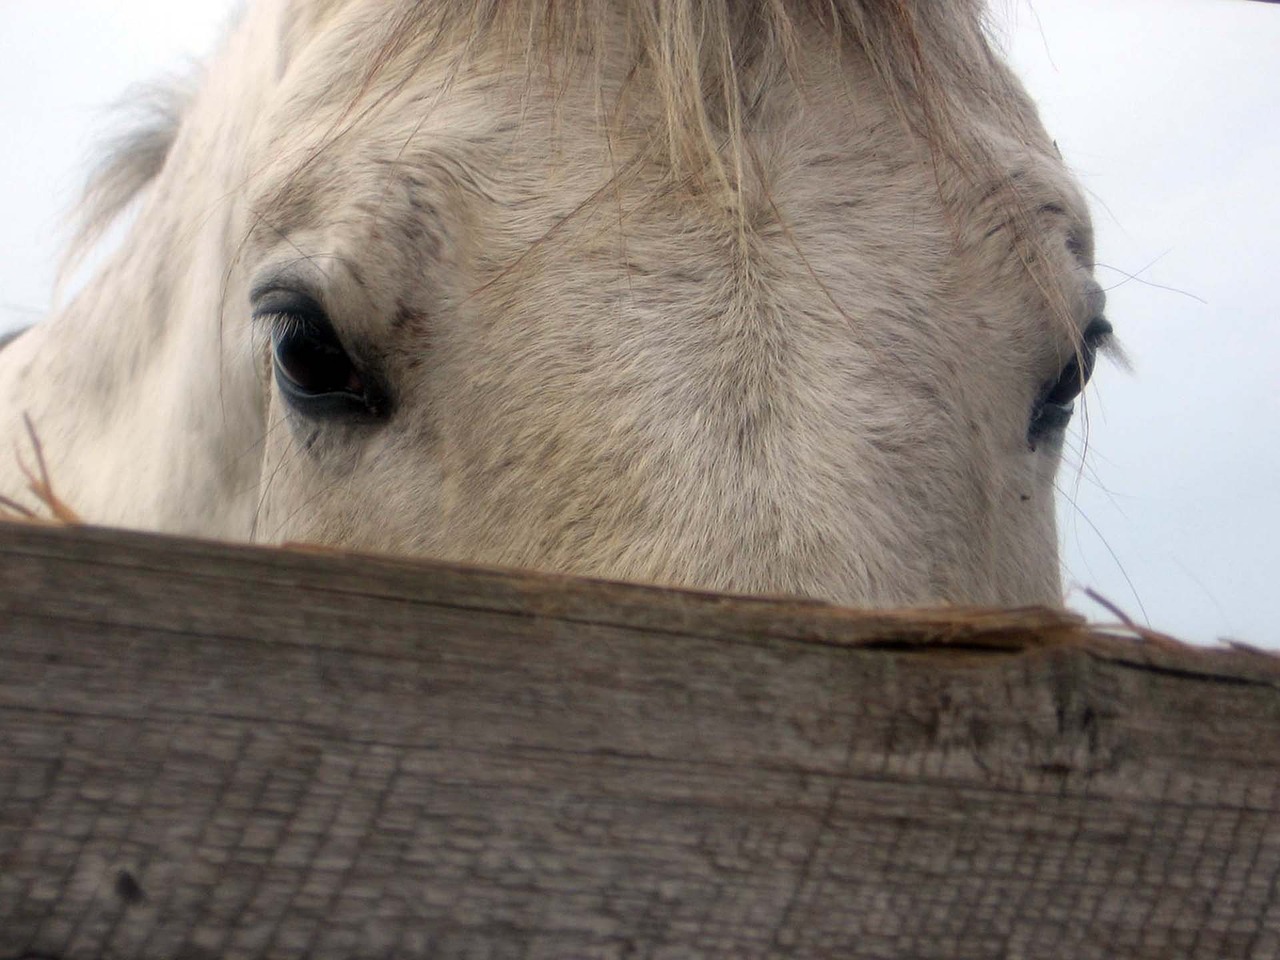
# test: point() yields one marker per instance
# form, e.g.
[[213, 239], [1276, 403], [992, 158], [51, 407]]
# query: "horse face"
[[499, 329]]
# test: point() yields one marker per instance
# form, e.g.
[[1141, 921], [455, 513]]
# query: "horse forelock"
[[707, 60], [711, 63]]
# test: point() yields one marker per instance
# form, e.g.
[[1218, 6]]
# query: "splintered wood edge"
[[943, 631]]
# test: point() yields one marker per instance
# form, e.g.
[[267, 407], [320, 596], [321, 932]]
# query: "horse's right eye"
[[311, 362], [313, 371], [1056, 404]]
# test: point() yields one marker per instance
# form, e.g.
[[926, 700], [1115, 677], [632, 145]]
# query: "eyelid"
[[1099, 334], [284, 323], [273, 299]]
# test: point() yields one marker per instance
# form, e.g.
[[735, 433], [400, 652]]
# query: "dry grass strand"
[[41, 487]]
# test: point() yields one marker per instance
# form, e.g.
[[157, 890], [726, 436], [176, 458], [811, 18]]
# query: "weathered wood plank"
[[216, 751]]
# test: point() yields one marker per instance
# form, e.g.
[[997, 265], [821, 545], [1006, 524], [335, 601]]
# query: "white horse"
[[777, 296]]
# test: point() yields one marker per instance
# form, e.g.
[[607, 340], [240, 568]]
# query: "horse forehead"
[[334, 163], [394, 166]]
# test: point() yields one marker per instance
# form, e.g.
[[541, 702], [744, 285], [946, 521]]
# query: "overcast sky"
[[1167, 110]]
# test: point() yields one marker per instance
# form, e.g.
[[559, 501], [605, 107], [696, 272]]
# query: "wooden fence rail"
[[210, 751]]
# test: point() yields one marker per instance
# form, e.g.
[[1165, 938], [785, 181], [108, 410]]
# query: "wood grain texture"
[[214, 751]]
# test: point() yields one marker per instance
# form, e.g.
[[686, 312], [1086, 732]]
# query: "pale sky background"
[[1167, 110]]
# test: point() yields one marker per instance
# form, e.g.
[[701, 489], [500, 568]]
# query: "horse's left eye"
[[311, 362], [1056, 403], [314, 372]]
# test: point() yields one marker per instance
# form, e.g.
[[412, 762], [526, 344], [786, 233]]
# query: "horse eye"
[[311, 361], [313, 370], [1056, 404]]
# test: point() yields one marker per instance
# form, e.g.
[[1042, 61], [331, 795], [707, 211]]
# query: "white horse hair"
[[780, 296]]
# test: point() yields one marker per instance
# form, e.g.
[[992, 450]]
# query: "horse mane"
[[130, 161]]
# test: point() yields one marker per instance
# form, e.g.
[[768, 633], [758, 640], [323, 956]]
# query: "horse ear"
[[129, 163]]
